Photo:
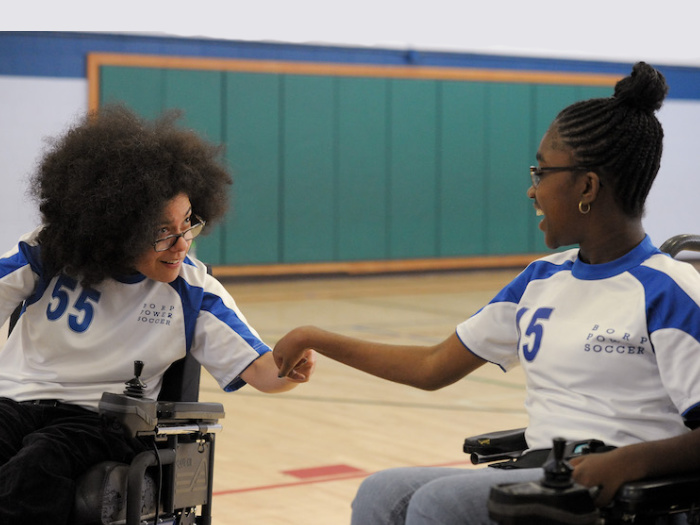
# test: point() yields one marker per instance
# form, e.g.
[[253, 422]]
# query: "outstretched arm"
[[651, 459], [426, 367]]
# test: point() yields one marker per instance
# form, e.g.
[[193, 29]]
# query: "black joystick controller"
[[134, 386], [554, 500], [135, 413], [557, 471]]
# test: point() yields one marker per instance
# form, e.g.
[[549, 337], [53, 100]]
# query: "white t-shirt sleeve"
[[224, 343]]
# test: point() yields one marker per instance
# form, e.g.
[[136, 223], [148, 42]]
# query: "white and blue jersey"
[[72, 344], [610, 351]]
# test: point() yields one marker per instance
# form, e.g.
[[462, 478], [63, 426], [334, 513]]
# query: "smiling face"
[[165, 266], [558, 194]]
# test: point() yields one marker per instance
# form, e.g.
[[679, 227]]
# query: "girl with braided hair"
[[608, 333], [107, 280]]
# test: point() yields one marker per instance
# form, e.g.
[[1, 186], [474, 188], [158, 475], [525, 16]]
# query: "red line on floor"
[[328, 470], [324, 479]]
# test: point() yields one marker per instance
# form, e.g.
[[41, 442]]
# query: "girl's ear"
[[591, 187]]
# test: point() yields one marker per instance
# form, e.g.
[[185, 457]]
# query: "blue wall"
[[63, 54]]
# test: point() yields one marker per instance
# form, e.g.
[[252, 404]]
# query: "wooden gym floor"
[[297, 458]]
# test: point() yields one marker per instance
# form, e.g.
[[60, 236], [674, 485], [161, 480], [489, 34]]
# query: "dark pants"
[[43, 449]]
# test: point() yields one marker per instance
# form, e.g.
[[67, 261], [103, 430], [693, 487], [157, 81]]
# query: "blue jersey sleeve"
[[20, 270]]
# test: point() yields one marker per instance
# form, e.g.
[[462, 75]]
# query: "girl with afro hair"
[[107, 280]]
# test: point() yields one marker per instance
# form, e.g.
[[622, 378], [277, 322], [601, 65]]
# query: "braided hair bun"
[[619, 137], [644, 89]]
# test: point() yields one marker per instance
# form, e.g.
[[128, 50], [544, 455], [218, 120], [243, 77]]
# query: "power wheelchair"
[[170, 482], [556, 499]]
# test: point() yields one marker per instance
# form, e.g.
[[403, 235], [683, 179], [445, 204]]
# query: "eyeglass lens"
[[168, 242]]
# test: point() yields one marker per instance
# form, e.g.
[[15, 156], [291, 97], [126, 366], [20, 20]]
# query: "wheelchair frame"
[[183, 438]]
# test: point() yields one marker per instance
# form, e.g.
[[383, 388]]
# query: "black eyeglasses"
[[190, 233], [537, 172]]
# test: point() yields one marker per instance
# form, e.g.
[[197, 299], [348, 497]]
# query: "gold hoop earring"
[[582, 209]]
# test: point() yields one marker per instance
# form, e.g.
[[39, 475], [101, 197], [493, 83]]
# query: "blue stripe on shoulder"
[[537, 270], [27, 254], [191, 298], [667, 304], [12, 263], [212, 303], [194, 299], [32, 254]]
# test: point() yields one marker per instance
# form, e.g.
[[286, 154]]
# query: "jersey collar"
[[130, 279], [632, 259]]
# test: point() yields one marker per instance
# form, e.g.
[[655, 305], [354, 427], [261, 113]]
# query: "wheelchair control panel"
[[139, 415], [555, 499]]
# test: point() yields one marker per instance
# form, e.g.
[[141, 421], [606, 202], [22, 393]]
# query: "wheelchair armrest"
[[189, 418], [680, 492], [189, 411], [494, 446]]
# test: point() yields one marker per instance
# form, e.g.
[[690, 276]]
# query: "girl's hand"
[[302, 370], [604, 470]]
